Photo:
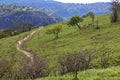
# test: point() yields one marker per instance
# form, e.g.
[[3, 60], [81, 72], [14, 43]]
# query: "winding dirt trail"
[[21, 42]]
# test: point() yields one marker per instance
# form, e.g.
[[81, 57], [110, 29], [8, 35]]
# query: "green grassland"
[[71, 39], [8, 47], [93, 74]]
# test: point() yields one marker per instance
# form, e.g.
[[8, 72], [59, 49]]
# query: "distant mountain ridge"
[[22, 14], [65, 10]]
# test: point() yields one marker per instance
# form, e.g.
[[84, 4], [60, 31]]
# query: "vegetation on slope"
[[93, 46], [112, 73], [8, 46], [71, 39], [11, 13], [65, 10]]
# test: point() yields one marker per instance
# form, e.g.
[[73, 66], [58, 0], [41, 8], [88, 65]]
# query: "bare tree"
[[13, 69], [9, 68], [34, 70], [78, 61], [17, 25], [115, 10], [28, 26], [97, 25]]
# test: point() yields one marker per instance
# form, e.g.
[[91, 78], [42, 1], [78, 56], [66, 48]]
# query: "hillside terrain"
[[50, 40], [8, 47], [11, 13], [112, 73], [71, 40], [65, 10]]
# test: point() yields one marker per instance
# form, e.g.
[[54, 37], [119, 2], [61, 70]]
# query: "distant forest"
[[39, 17]]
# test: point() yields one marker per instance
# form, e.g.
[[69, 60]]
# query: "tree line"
[[18, 28]]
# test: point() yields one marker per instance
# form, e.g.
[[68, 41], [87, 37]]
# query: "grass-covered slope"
[[93, 74], [8, 47], [72, 39]]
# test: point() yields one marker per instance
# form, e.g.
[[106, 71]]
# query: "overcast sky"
[[82, 1]]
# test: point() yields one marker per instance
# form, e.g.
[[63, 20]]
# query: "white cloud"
[[82, 1]]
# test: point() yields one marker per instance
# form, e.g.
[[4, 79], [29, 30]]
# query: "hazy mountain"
[[65, 10], [11, 13]]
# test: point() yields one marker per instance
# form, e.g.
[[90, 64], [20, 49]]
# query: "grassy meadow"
[[93, 74], [70, 40], [8, 46]]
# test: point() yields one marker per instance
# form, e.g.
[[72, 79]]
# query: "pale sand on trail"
[[21, 42]]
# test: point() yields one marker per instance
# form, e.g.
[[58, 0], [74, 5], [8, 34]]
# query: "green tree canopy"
[[54, 30], [92, 16], [74, 21]]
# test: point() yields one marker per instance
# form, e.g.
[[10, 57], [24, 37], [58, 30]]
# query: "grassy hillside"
[[99, 74], [8, 46], [72, 39]]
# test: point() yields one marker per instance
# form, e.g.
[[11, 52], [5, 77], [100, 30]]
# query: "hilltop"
[[65, 10], [11, 13]]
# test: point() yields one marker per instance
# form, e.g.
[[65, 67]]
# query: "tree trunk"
[[92, 22], [32, 78], [115, 17], [56, 35], [76, 77], [78, 26]]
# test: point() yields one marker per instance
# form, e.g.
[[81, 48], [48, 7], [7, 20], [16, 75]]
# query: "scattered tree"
[[28, 26], [5, 33], [45, 24], [115, 10], [54, 30], [92, 16], [78, 61], [17, 25], [97, 25], [34, 70], [74, 21], [8, 31]]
